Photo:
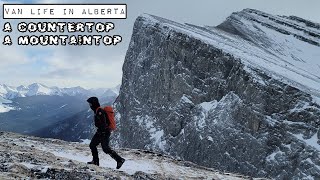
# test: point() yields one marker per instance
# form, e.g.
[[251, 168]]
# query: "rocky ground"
[[26, 157]]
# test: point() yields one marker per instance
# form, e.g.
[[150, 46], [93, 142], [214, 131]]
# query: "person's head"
[[93, 103]]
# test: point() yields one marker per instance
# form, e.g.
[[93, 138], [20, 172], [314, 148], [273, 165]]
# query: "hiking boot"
[[94, 162], [119, 163]]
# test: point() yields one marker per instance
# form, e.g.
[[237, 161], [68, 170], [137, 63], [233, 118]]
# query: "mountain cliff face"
[[241, 97]]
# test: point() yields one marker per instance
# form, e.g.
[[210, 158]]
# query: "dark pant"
[[104, 139]]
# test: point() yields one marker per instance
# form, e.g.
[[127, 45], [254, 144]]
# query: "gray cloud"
[[102, 66]]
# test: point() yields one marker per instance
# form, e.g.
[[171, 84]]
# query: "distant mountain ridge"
[[25, 109], [11, 92], [8, 93]]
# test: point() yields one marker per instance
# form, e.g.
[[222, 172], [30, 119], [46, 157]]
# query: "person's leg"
[[95, 141], [106, 148]]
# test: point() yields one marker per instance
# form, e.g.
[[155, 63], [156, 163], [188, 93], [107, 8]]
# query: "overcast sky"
[[94, 67]]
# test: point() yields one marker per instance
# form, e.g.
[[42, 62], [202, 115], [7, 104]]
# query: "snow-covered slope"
[[107, 91], [26, 157], [283, 47], [4, 107], [286, 48]]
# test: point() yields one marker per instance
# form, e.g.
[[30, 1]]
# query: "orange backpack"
[[110, 113]]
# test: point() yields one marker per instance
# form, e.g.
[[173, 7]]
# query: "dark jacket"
[[101, 120]]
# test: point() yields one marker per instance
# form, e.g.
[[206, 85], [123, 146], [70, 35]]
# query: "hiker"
[[102, 135]]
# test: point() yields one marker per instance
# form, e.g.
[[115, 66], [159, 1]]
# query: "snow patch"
[[207, 106], [311, 142], [316, 100], [311, 162], [272, 157], [28, 165], [271, 121], [185, 99], [293, 123], [287, 146], [43, 169], [63, 106], [85, 141], [135, 99], [200, 120], [156, 134], [4, 107], [131, 166]]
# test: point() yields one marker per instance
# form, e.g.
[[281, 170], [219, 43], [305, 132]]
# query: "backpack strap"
[[98, 109]]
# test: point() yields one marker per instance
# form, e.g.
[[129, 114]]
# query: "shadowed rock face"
[[189, 92]]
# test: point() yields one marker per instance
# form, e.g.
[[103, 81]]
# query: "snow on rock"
[[155, 134], [39, 89], [287, 58], [63, 106], [316, 99], [85, 141], [313, 141], [207, 106], [4, 107], [185, 99], [26, 157]]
